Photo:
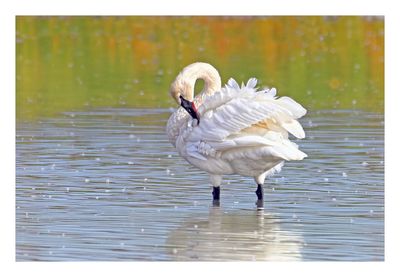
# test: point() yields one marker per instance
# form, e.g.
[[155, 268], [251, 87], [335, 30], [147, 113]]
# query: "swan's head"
[[183, 95], [180, 89]]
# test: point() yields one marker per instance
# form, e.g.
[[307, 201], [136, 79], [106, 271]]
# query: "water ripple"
[[106, 185]]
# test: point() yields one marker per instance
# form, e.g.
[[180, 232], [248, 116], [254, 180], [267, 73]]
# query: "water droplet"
[[107, 181], [333, 199], [142, 230], [344, 174], [195, 226], [326, 179], [145, 179], [87, 180], [169, 156], [371, 211], [364, 163], [174, 250]]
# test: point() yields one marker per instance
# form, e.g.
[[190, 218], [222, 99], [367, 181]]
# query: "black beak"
[[190, 108]]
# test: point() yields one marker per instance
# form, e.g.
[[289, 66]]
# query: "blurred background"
[[75, 63]]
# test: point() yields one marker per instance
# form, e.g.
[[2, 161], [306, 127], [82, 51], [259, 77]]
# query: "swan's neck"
[[204, 71]]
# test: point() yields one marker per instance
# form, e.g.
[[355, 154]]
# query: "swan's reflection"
[[237, 236]]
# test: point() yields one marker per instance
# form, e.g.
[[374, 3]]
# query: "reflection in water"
[[243, 235]]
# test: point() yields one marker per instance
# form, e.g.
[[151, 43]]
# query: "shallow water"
[[105, 184]]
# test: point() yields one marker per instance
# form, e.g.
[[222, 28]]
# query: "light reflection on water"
[[106, 185]]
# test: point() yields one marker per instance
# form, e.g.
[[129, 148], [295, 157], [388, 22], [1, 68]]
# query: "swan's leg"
[[215, 193], [216, 182], [260, 190], [260, 197]]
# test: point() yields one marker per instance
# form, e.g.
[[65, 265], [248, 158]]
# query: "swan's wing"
[[246, 147], [233, 109], [228, 116]]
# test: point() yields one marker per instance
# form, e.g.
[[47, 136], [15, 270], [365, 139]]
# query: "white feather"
[[241, 131]]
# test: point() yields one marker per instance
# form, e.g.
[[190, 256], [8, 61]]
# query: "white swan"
[[233, 130]]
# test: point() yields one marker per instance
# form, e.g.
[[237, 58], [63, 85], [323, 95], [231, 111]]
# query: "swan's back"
[[233, 109]]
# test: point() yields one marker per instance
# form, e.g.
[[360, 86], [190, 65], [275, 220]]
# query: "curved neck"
[[204, 71]]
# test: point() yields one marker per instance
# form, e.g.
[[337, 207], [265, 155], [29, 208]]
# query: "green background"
[[75, 63]]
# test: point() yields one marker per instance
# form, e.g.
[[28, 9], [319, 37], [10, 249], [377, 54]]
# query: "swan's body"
[[239, 130]]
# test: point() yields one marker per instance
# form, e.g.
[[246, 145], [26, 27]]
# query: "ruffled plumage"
[[242, 130]]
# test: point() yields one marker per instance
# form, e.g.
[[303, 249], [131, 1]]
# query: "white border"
[[202, 7]]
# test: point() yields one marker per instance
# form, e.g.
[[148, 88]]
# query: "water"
[[105, 184]]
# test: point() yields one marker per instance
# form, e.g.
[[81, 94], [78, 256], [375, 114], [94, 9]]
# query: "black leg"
[[215, 194], [260, 192], [260, 197]]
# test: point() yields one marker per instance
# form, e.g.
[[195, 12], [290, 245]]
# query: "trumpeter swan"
[[234, 129]]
